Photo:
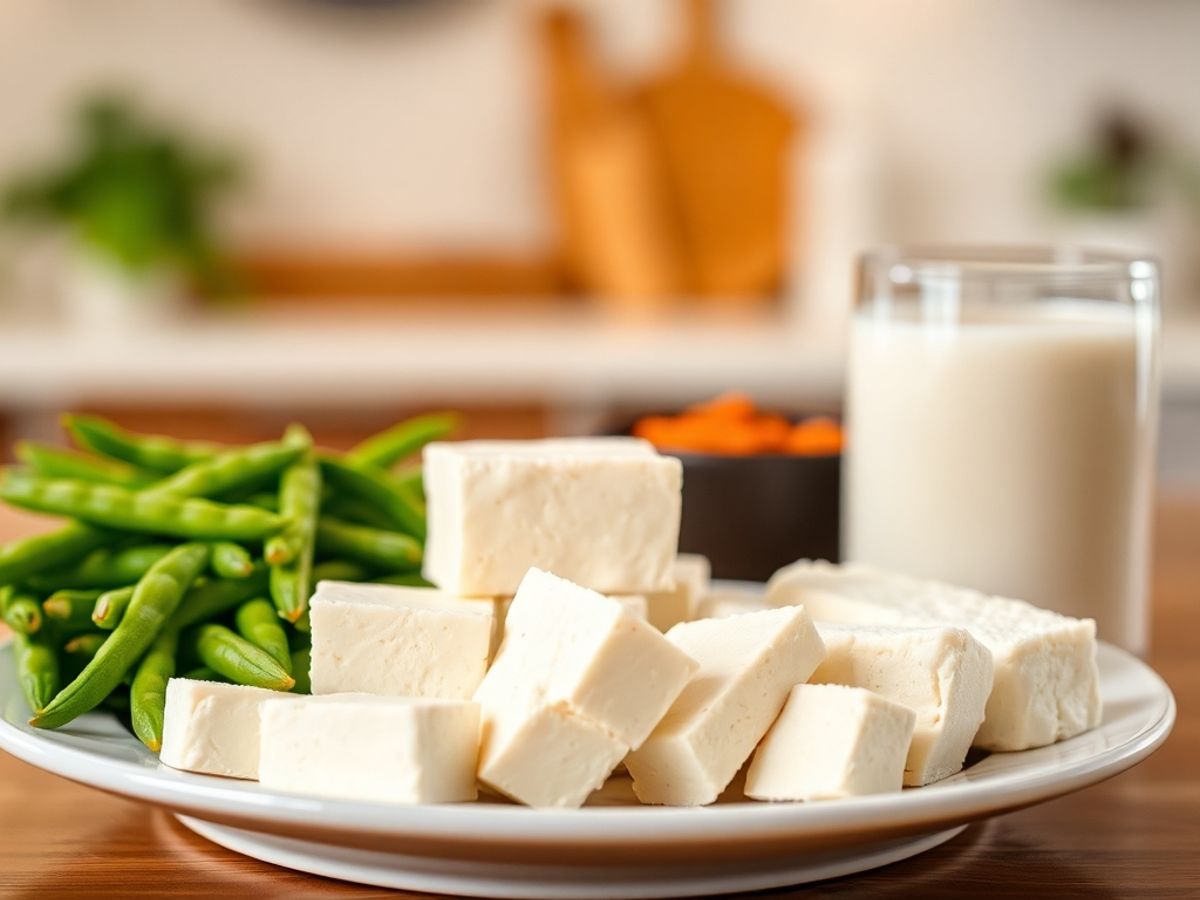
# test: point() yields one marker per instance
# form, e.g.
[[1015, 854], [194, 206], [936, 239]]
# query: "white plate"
[[610, 848]]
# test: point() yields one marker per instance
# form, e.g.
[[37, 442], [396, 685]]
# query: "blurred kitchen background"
[[220, 216]]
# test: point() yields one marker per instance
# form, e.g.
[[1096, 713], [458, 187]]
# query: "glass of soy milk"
[[1002, 407]]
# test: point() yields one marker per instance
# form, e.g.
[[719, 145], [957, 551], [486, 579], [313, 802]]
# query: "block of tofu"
[[633, 604], [571, 663], [665, 609], [364, 747], [942, 674], [831, 741], [1045, 684], [726, 602], [398, 641], [213, 728], [748, 664], [602, 512], [544, 756]]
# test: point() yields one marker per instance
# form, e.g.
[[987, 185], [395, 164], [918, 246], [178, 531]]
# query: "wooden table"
[[1136, 835]]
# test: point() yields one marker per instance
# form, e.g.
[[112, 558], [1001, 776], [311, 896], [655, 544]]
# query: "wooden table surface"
[[1137, 835]]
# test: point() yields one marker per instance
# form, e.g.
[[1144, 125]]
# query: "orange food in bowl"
[[731, 424]]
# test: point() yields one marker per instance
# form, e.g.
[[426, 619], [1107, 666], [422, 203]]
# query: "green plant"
[[133, 191]]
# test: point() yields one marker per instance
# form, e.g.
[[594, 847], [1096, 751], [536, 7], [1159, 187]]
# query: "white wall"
[[419, 126]]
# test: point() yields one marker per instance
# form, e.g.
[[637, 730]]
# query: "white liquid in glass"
[[1010, 451]]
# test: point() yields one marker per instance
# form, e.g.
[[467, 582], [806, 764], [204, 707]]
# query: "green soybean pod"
[[386, 550], [148, 693], [301, 663], [237, 659], [145, 511], [230, 560], [374, 486], [154, 452], [107, 567], [403, 439], [110, 607], [23, 614], [58, 463], [257, 621], [37, 670], [155, 599], [71, 609], [231, 471], [300, 500]]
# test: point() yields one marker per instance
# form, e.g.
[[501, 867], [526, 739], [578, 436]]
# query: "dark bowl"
[[750, 515]]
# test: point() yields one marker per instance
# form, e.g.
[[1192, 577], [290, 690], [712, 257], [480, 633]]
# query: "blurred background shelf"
[[448, 355], [451, 355]]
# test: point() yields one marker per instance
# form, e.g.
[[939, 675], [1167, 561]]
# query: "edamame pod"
[[258, 623], [37, 670], [155, 599], [230, 560], [140, 511], [237, 659], [54, 462], [110, 607], [231, 471], [386, 550], [160, 454], [388, 447], [300, 500], [23, 614], [148, 693]]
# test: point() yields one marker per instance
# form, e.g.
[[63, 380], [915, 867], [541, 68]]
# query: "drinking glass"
[[1002, 410]]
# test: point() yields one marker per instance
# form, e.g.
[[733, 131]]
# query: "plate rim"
[[220, 799]]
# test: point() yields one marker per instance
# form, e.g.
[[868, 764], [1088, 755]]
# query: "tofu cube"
[[748, 664], [544, 756], [832, 741], [1045, 684], [942, 674], [213, 728], [571, 662], [398, 641], [665, 609], [364, 747], [603, 513], [635, 605]]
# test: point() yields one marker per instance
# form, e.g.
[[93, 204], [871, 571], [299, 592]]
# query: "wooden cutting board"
[[616, 237], [725, 146]]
